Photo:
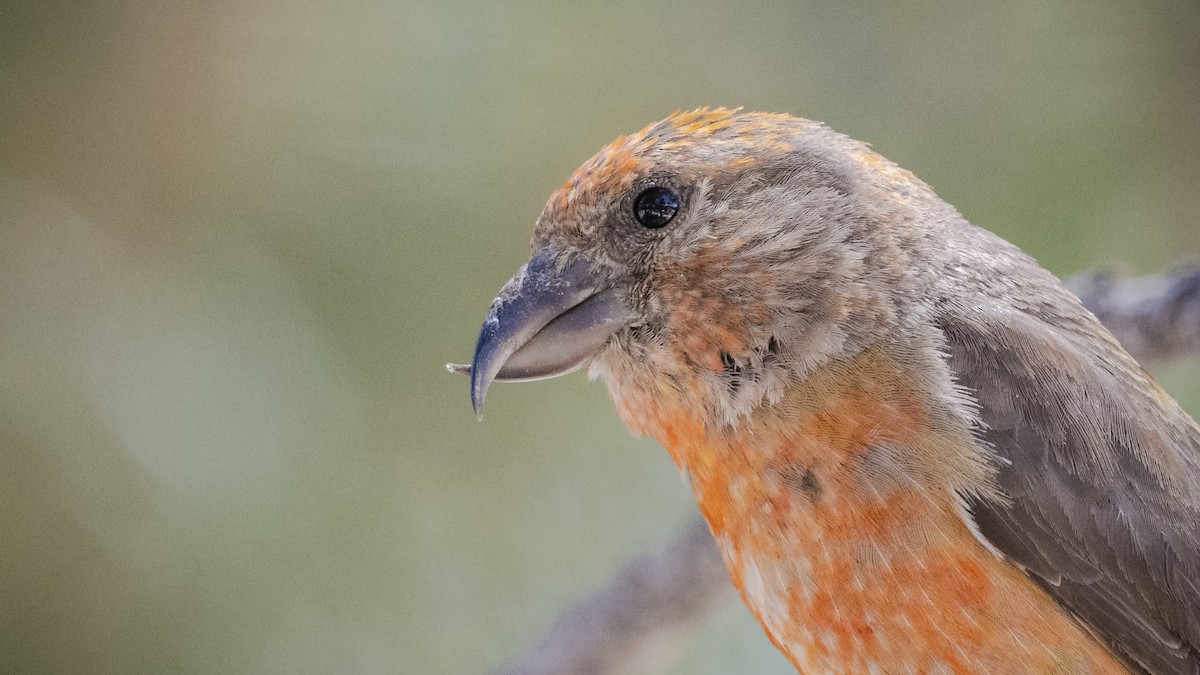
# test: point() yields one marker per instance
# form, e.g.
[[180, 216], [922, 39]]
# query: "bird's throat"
[[833, 513]]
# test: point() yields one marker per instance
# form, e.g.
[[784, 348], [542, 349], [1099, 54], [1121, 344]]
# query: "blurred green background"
[[238, 240]]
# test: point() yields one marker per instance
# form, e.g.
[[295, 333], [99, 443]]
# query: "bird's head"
[[714, 256]]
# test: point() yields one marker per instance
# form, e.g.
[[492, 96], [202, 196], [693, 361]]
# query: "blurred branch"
[[1156, 318], [641, 618]]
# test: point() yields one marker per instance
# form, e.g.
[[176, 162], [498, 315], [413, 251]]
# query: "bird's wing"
[[1102, 472]]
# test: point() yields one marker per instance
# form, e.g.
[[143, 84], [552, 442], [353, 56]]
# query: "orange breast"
[[850, 558]]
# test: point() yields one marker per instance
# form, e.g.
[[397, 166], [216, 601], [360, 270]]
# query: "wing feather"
[[1101, 470]]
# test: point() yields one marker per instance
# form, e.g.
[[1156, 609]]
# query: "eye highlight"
[[656, 206]]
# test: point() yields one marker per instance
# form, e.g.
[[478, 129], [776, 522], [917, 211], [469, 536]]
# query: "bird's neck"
[[840, 524]]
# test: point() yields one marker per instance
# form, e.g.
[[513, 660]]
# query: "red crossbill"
[[916, 450]]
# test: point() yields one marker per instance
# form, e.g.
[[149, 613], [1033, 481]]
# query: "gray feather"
[[1100, 469]]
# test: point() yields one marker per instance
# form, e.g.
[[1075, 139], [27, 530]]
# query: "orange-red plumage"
[[892, 576], [916, 450]]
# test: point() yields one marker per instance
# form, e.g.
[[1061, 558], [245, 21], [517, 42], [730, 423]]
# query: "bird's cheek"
[[710, 342], [698, 350], [689, 324]]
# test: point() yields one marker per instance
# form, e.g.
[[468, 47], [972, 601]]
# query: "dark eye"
[[656, 206]]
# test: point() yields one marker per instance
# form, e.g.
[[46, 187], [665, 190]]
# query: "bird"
[[914, 447]]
